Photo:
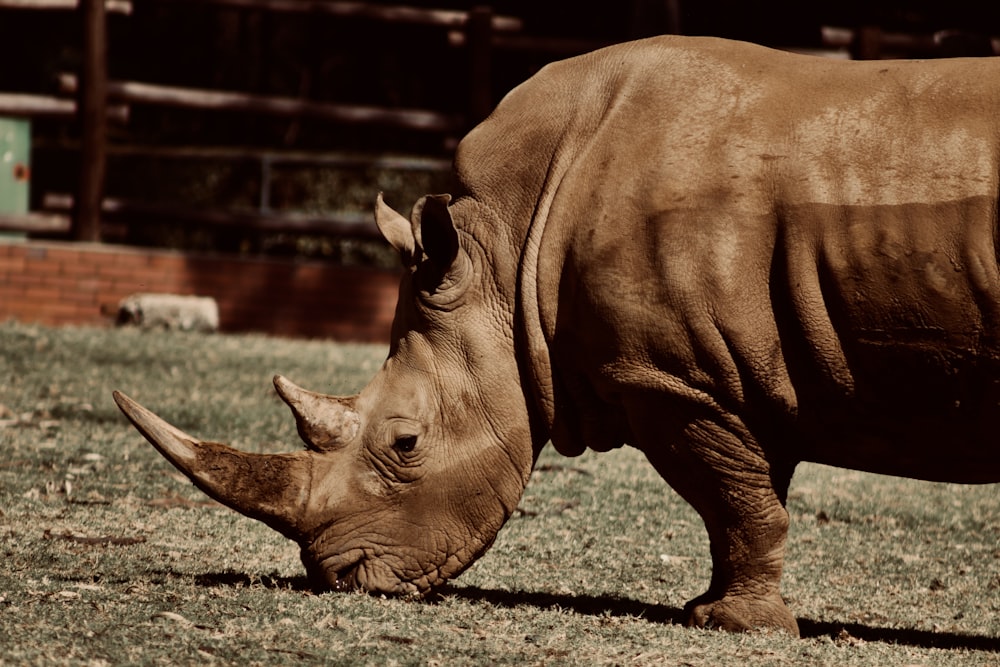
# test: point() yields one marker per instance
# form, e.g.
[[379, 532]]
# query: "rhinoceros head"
[[405, 484]]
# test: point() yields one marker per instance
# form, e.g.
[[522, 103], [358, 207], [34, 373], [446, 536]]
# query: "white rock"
[[169, 311]]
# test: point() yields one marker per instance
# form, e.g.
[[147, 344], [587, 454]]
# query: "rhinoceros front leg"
[[740, 495]]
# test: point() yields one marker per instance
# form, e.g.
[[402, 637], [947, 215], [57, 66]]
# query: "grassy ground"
[[108, 556]]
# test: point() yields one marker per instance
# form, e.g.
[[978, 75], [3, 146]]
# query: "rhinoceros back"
[[808, 244]]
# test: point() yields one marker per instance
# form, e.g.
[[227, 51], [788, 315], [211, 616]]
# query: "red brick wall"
[[72, 283]]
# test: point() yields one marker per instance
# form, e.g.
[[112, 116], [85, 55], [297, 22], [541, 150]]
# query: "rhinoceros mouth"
[[336, 573], [346, 574], [354, 578], [344, 582]]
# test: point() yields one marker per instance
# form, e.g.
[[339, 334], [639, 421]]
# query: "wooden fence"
[[62, 283], [95, 100], [55, 283]]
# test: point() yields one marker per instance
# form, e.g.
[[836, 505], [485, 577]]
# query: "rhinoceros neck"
[[513, 164], [511, 262], [520, 228]]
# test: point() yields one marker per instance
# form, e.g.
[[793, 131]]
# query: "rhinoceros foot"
[[741, 613]]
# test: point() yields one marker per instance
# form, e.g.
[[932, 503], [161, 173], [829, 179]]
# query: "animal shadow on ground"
[[230, 579], [901, 636], [656, 613], [606, 605], [588, 605]]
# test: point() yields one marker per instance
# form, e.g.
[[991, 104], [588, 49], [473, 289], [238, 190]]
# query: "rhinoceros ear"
[[434, 230], [396, 229], [428, 239]]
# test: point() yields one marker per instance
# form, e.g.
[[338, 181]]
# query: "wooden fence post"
[[479, 40], [867, 43], [93, 129]]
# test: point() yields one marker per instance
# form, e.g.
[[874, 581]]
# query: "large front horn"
[[324, 422], [273, 488]]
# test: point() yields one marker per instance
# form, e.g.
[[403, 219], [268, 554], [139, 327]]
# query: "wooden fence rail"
[[444, 18], [351, 224], [111, 6], [214, 100], [22, 104], [871, 42]]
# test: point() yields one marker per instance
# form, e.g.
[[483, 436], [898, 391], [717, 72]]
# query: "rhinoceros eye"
[[405, 443]]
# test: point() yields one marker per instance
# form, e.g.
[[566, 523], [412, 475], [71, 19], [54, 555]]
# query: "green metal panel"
[[15, 164]]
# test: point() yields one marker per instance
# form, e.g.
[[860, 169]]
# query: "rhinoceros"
[[732, 258]]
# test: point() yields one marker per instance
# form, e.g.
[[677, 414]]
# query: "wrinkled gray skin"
[[731, 258]]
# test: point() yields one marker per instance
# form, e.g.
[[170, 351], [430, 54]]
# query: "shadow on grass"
[[231, 579], [655, 613], [606, 605], [901, 636], [589, 605]]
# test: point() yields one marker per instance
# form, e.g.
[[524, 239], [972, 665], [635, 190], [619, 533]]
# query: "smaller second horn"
[[324, 422]]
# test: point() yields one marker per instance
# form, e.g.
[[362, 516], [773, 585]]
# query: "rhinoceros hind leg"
[[716, 466]]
